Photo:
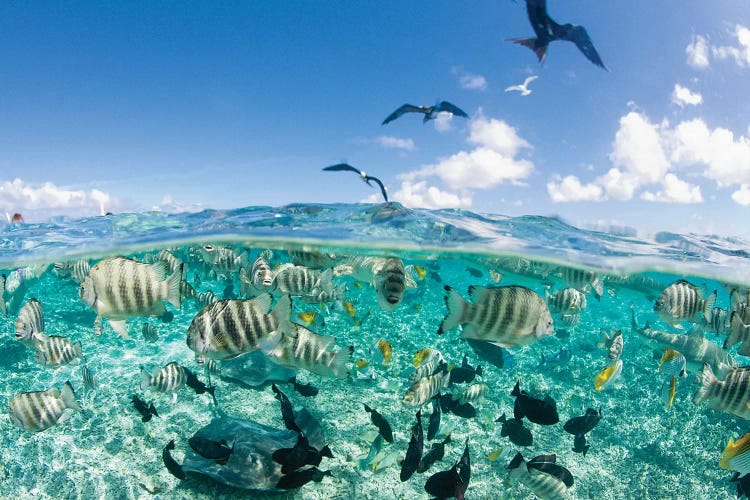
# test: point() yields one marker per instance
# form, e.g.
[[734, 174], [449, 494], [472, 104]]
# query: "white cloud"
[[742, 195], [570, 188], [697, 53], [168, 204], [740, 54], [443, 121], [683, 96], [675, 191], [395, 142], [420, 195], [469, 81], [496, 135], [48, 200], [637, 150]]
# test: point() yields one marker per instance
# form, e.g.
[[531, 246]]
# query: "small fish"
[[542, 475], [172, 466], [55, 351], [566, 301], [579, 444], [385, 349], [514, 430], [205, 299], [292, 458], [425, 355], [309, 351], [682, 301], [673, 363], [452, 482], [40, 410], [147, 410], [375, 448], [213, 366], [390, 282], [308, 317], [427, 368], [420, 271], [451, 405], [614, 343], [150, 333], [720, 321], [434, 426], [173, 263], [584, 281], [425, 388], [212, 450], [739, 331], [381, 423], [192, 381], [287, 412], [560, 358], [414, 450], [471, 394], [539, 411], [436, 453], [361, 363], [89, 382], [584, 423], [668, 391], [731, 395], [297, 479], [464, 373], [608, 376], [495, 276], [736, 455], [77, 270], [306, 390], [350, 309], [168, 378], [30, 322]]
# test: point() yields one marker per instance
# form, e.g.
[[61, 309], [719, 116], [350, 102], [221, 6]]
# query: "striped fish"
[[205, 299], [118, 288], [542, 475], [566, 301], [3, 307], [186, 290], [614, 343], [673, 363], [168, 378], [54, 351], [390, 283], [736, 456], [222, 259], [427, 368], [310, 351], [731, 395], [39, 410], [739, 331], [173, 263], [668, 391], [424, 355], [310, 284], [570, 319], [507, 316], [213, 366], [77, 270], [30, 323], [89, 382], [719, 321], [583, 280], [426, 388], [228, 328], [682, 301], [474, 392], [150, 333]]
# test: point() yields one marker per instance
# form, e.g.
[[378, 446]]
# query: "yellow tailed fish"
[[349, 307], [361, 363], [418, 307], [420, 356], [673, 363], [608, 375], [736, 456], [386, 350], [668, 392], [495, 454], [357, 284], [421, 272], [308, 317]]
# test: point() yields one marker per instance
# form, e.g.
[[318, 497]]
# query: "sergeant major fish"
[[309, 351], [682, 301], [40, 410], [30, 323], [168, 378], [54, 350], [426, 388], [541, 475], [730, 395]]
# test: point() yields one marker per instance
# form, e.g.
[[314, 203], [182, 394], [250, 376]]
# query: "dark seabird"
[[362, 174], [547, 30], [430, 112]]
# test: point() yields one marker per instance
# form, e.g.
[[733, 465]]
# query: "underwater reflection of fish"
[[384, 428], [172, 466], [538, 411], [212, 450], [147, 410], [514, 430], [414, 450], [297, 479], [454, 482]]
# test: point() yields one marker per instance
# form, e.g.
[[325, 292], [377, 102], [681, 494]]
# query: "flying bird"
[[366, 178], [430, 112], [523, 88], [547, 30]]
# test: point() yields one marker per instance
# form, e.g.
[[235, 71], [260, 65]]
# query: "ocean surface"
[[641, 448]]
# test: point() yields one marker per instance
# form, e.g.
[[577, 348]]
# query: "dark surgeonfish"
[[452, 482], [414, 451], [297, 479], [465, 410], [305, 390], [366, 178], [579, 444], [547, 30], [287, 412], [514, 430], [434, 426], [213, 450], [437, 452], [538, 411], [381, 423], [464, 373], [194, 383], [292, 458], [172, 466], [743, 484], [146, 410], [430, 112], [580, 426]]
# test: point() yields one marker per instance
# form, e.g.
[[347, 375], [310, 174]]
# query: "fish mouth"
[[393, 300]]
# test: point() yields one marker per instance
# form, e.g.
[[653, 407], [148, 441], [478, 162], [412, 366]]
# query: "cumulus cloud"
[[420, 195], [443, 121], [683, 96], [47, 199], [697, 53], [388, 141], [675, 190], [637, 150], [739, 54], [469, 81], [742, 195], [169, 204], [570, 188]]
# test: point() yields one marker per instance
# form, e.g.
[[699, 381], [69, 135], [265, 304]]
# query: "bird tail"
[[541, 52]]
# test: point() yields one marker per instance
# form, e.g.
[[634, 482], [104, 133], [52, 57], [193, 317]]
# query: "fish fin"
[[744, 349], [78, 349], [516, 462], [457, 306], [120, 327], [69, 397], [736, 330], [173, 287], [708, 307], [160, 269], [145, 379], [282, 313], [708, 382], [516, 389], [340, 360], [40, 357], [262, 303]]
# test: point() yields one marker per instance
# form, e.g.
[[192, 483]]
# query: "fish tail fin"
[[586, 449], [326, 452], [516, 389], [78, 349], [174, 296], [708, 307], [152, 409], [282, 313], [516, 462], [457, 306], [735, 331], [145, 379], [69, 397], [708, 383], [479, 371], [340, 360]]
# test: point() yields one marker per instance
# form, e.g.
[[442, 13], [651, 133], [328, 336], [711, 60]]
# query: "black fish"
[[306, 390], [300, 478], [414, 451], [579, 444], [434, 425], [437, 452], [212, 450], [172, 466], [743, 484], [465, 410], [287, 412], [546, 463], [167, 317], [314, 456], [562, 333], [583, 424], [464, 373], [539, 411], [195, 384], [514, 430], [292, 458], [381, 423], [488, 351], [147, 410], [452, 482], [366, 178]]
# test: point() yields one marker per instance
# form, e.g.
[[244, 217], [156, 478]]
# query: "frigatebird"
[[547, 30], [430, 112], [366, 178]]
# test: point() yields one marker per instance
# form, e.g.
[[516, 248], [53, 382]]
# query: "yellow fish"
[[421, 272], [495, 454], [349, 307], [385, 349], [608, 375], [668, 392], [420, 356], [361, 363], [357, 284], [418, 307], [308, 317], [735, 455]]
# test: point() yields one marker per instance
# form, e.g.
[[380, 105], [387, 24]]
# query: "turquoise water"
[[638, 450]]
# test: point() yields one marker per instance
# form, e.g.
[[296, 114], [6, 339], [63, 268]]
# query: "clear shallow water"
[[638, 450]]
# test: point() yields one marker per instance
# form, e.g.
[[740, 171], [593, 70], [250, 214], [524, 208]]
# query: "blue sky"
[[183, 104]]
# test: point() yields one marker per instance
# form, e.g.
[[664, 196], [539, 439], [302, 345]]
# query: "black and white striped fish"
[[682, 301], [541, 475], [583, 280], [223, 259], [173, 263], [426, 388], [312, 285], [508, 316], [739, 331], [228, 328], [614, 343], [427, 368], [30, 323], [168, 378], [39, 410], [54, 350], [719, 321], [309, 351], [261, 275], [731, 395], [150, 333], [77, 270], [205, 299], [566, 301], [3, 307], [474, 392], [118, 288], [89, 382]]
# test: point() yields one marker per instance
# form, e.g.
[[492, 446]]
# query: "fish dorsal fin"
[[546, 464], [262, 303], [696, 332], [475, 292], [159, 269]]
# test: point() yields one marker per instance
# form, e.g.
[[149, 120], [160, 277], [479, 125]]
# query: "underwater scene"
[[370, 351]]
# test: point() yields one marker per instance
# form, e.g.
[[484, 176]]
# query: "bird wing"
[[342, 166], [537, 11], [579, 36], [536, 44], [514, 87], [451, 108], [406, 108], [529, 80], [382, 187]]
